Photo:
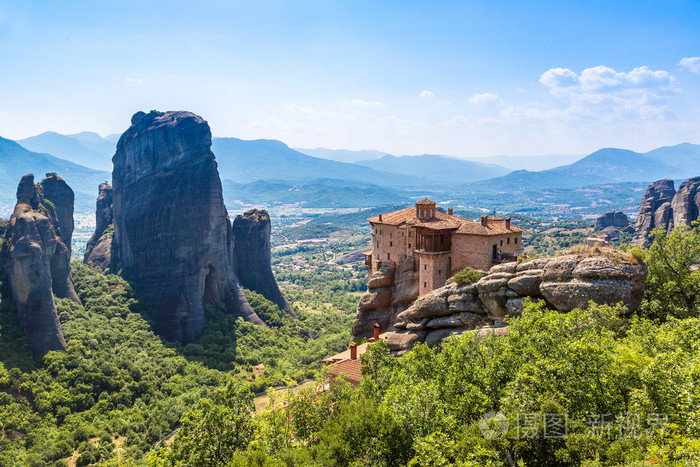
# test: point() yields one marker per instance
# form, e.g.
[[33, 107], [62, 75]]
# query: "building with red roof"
[[442, 242]]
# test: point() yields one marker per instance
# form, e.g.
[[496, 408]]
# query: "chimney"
[[376, 331], [449, 211], [508, 223], [484, 220], [353, 351], [380, 218]]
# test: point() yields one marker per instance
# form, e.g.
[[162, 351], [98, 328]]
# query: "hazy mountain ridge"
[[87, 149], [16, 161], [531, 163], [343, 155], [245, 161], [608, 165], [438, 168]]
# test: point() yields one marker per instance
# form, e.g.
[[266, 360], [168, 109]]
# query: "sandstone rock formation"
[[36, 258], [390, 290], [98, 250], [251, 232], [172, 234], [663, 207], [654, 211], [611, 219], [564, 282], [58, 199], [686, 203]]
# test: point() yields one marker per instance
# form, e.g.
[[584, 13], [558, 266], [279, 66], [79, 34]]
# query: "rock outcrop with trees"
[[662, 207], [564, 283], [36, 258]]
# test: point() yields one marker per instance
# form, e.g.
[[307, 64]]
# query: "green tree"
[[214, 429], [673, 283]]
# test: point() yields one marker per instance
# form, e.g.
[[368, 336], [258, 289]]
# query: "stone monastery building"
[[442, 243]]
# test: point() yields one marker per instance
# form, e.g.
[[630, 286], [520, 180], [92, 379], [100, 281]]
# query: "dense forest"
[[591, 387], [119, 389]]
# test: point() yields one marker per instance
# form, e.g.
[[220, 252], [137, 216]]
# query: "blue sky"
[[407, 77]]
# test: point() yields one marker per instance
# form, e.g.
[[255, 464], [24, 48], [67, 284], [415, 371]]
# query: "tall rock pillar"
[[172, 233], [253, 253], [36, 258]]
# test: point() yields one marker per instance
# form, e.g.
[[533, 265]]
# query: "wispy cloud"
[[691, 64], [361, 103], [135, 80], [485, 98], [426, 95]]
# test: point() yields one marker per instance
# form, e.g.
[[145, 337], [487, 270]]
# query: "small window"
[[501, 242], [409, 245], [508, 242], [388, 256], [425, 284], [515, 240], [439, 272], [425, 267], [391, 243]]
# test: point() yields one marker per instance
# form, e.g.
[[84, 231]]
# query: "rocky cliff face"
[[172, 234], [251, 232], [654, 211], [564, 282], [686, 203], [98, 250], [36, 258], [663, 207], [390, 290], [611, 219]]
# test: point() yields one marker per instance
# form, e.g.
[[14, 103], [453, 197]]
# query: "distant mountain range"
[[86, 148], [246, 161], [609, 165], [342, 155], [16, 161], [354, 178], [531, 163], [440, 169]]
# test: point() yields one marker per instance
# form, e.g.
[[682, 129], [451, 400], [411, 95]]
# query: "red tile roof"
[[408, 216], [426, 201], [345, 354], [350, 368]]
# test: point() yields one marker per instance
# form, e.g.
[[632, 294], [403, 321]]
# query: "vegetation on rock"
[[468, 276]]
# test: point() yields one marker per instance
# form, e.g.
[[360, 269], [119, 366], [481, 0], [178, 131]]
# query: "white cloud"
[[426, 95], [485, 98], [559, 78], [361, 103], [691, 64], [135, 80], [600, 93], [604, 79]]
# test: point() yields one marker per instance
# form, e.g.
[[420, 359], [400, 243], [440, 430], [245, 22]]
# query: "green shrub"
[[468, 276]]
